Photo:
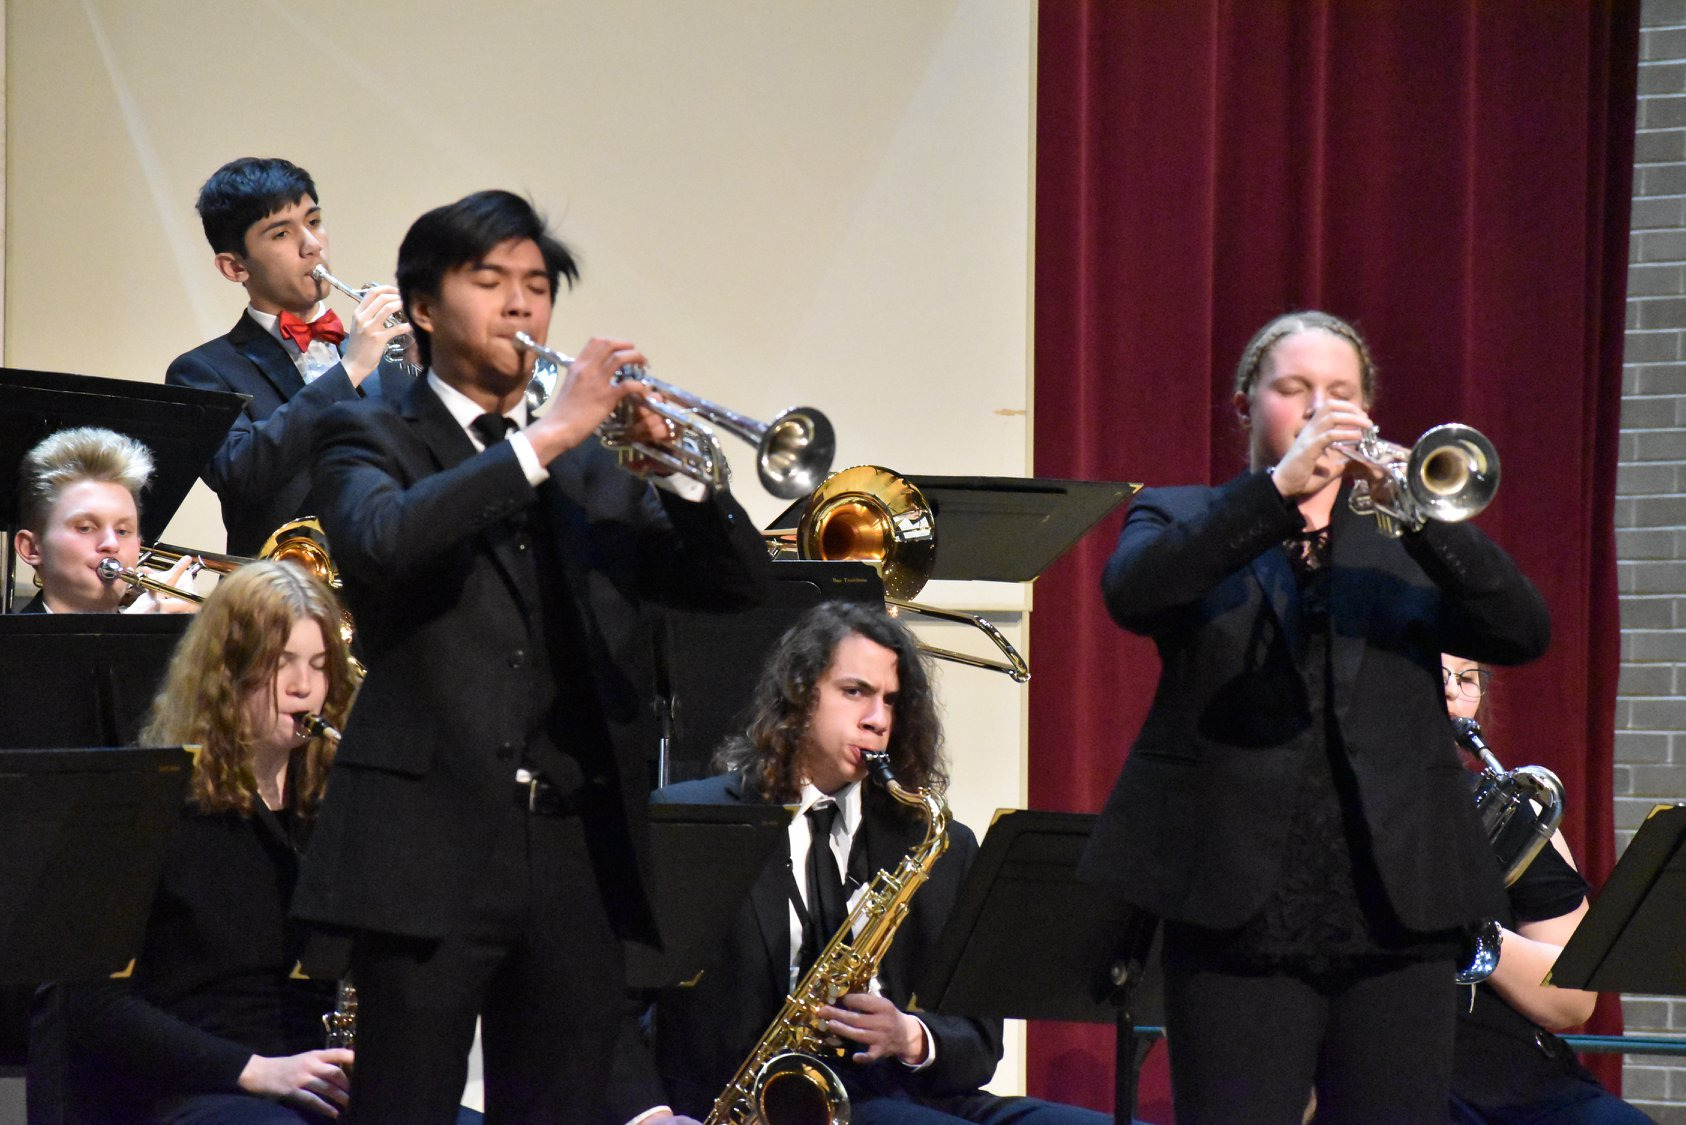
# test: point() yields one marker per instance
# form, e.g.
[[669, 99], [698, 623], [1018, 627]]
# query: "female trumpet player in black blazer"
[[215, 1024], [1293, 807]]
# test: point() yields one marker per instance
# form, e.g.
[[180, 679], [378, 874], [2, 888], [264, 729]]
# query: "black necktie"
[[826, 909], [491, 428]]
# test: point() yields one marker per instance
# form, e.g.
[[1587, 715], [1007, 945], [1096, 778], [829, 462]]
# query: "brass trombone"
[[300, 542], [793, 452], [870, 514]]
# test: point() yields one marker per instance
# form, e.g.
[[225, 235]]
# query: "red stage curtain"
[[1453, 175]]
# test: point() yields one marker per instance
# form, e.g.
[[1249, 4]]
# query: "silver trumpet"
[[397, 348], [1451, 474], [793, 451]]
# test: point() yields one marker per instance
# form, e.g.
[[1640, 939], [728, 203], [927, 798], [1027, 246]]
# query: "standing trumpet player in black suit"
[[483, 830], [1294, 807], [288, 353]]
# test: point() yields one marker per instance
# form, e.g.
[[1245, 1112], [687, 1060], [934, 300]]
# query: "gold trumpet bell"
[[303, 543], [870, 514]]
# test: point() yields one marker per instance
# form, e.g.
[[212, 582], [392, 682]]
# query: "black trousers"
[[537, 961], [1250, 1047]]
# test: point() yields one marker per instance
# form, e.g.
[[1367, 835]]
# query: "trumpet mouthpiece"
[[109, 570]]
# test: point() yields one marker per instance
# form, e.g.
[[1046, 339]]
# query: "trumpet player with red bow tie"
[[289, 353]]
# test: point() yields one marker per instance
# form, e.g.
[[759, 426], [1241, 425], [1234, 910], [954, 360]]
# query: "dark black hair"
[[245, 191], [769, 750], [466, 231]]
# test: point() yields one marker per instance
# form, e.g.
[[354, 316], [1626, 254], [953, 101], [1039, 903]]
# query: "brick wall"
[[1651, 505]]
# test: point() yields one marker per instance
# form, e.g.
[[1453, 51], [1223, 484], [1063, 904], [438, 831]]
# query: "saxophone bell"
[[798, 1089]]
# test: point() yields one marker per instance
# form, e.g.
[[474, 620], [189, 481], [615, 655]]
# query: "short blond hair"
[[70, 456]]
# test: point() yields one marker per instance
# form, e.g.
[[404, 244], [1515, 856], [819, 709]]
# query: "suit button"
[[517, 658], [506, 750]]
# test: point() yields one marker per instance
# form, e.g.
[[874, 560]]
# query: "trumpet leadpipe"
[[396, 348], [320, 273]]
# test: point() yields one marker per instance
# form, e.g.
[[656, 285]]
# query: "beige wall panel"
[[781, 202]]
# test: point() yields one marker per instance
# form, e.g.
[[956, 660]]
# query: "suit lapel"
[[769, 900], [391, 381], [1353, 540], [435, 427], [267, 354], [450, 447], [1281, 593]]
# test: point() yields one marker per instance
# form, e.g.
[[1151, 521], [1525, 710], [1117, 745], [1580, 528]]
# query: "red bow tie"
[[302, 332]]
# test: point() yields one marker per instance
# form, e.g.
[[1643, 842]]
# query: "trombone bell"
[[870, 514], [304, 544]]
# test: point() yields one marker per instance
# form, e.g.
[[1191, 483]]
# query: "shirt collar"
[[847, 800], [465, 410], [271, 322]]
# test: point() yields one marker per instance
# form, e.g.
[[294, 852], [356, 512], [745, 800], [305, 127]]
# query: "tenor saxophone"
[[786, 1077]]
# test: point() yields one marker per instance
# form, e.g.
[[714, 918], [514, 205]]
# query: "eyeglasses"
[[1472, 682]]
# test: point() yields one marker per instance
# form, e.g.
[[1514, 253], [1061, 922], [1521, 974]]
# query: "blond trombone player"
[[80, 508]]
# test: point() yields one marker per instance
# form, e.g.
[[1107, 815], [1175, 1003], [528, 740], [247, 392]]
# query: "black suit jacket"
[[262, 471], [1196, 826], [701, 1035], [423, 534]]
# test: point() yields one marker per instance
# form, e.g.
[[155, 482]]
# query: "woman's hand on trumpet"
[[369, 333], [1315, 459], [588, 395], [181, 577]]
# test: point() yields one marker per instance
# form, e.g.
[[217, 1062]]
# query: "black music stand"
[[82, 836], [704, 858], [1005, 529], [81, 679], [1028, 940], [712, 661], [182, 426], [1633, 938]]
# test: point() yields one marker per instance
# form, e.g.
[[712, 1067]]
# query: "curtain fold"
[[1454, 176]]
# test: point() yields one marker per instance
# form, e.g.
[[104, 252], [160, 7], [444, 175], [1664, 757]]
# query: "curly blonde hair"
[[232, 649]]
